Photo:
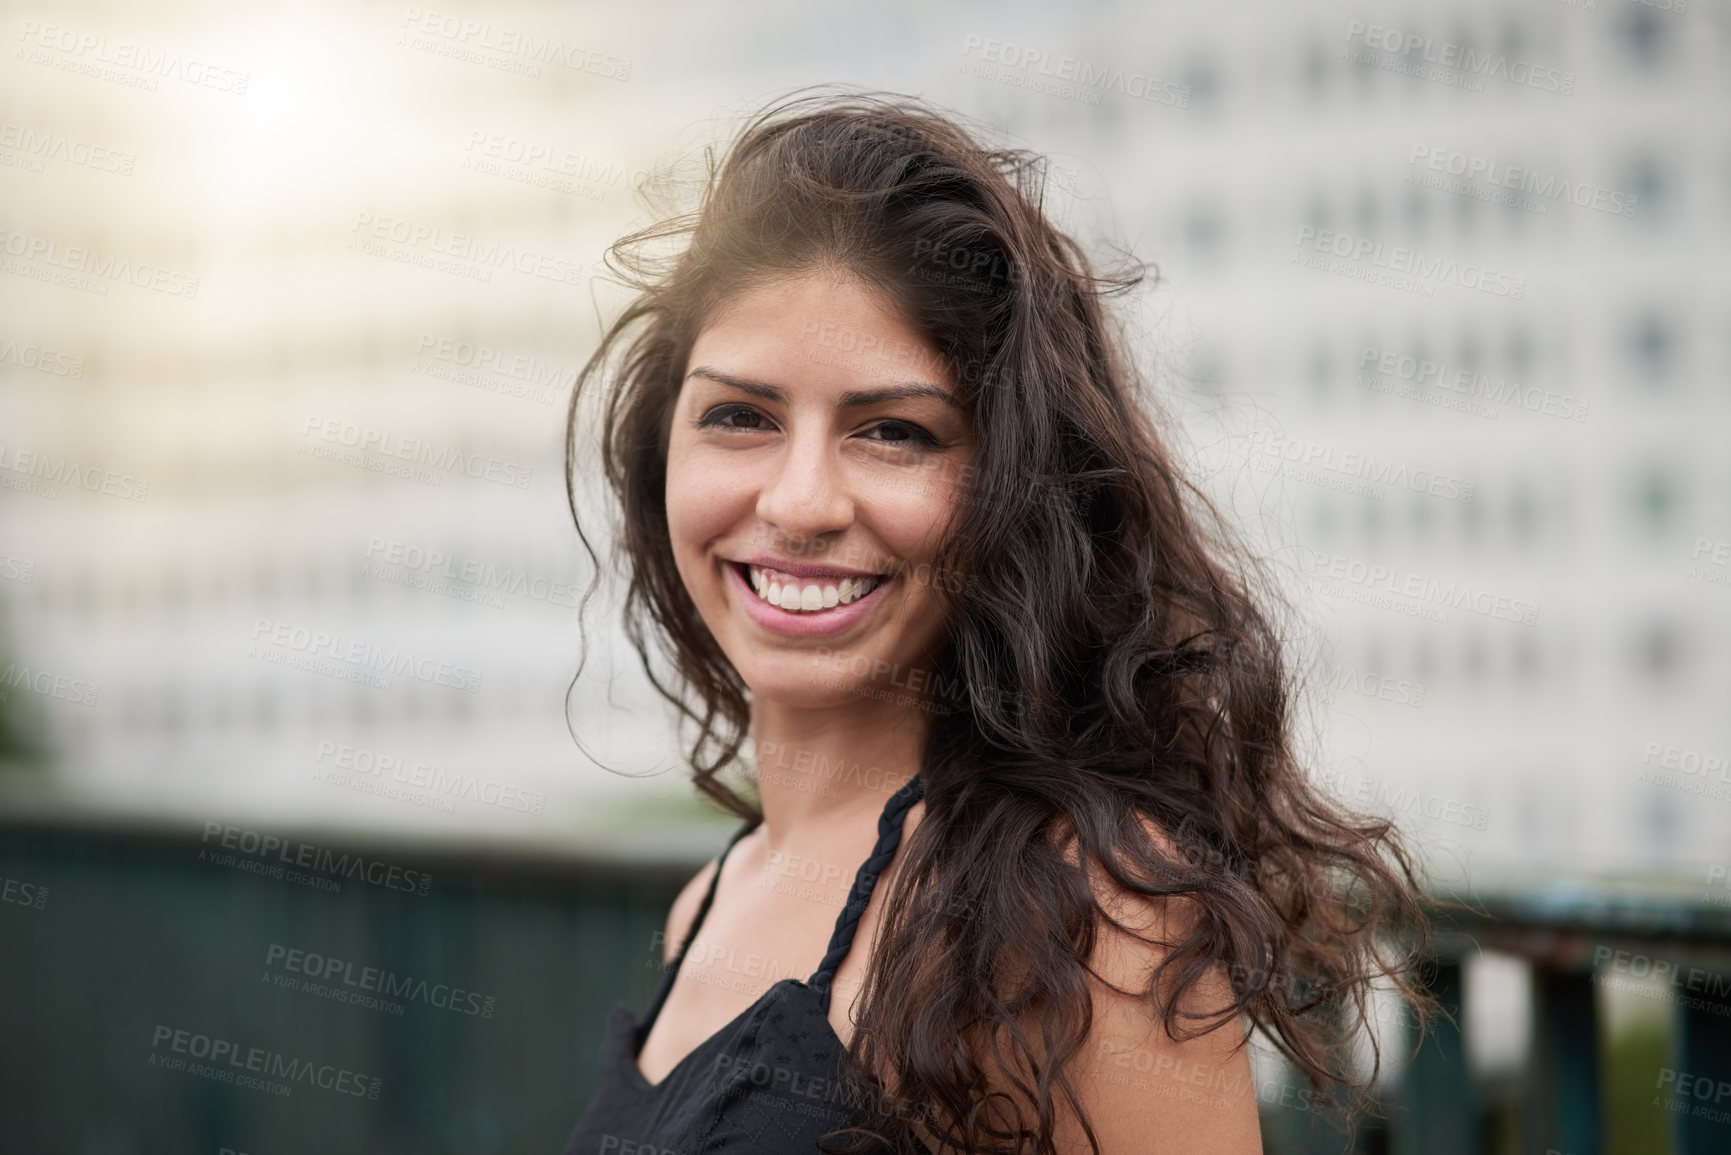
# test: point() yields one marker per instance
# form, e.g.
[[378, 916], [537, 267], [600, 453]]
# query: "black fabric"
[[768, 1082]]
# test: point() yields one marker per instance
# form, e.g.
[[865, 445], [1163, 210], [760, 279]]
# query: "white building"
[[1409, 255]]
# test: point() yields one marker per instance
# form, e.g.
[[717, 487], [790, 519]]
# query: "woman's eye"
[[904, 434], [731, 417]]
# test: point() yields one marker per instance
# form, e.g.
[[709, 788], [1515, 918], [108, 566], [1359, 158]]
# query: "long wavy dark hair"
[[1116, 653]]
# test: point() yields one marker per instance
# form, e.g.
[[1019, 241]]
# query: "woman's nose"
[[806, 494]]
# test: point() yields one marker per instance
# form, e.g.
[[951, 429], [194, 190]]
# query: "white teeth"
[[795, 597]]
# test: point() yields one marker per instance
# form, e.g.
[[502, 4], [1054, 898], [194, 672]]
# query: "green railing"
[[203, 990], [1586, 1089], [150, 951]]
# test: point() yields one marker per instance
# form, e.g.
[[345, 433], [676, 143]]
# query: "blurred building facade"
[[1440, 319]]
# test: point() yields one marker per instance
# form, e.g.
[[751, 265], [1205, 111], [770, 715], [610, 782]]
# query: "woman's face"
[[816, 455]]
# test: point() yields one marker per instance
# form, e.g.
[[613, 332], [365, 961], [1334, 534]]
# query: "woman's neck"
[[830, 769]]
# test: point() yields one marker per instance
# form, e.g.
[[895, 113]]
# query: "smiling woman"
[[824, 458], [889, 501]]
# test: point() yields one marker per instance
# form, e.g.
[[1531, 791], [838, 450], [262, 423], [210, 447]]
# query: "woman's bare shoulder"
[[683, 912], [1136, 1080]]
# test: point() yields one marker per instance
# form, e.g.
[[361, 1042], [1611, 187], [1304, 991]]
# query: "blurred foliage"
[[22, 743], [1635, 1123]]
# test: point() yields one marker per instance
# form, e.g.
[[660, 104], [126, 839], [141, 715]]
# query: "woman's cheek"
[[703, 499], [918, 510], [698, 511]]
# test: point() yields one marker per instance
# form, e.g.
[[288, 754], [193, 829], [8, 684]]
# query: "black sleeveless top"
[[767, 1083]]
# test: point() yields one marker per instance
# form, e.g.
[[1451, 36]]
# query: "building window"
[[1202, 78], [1524, 522], [1658, 649], [1321, 373], [1314, 75], [1421, 519], [1641, 34], [1653, 188], [1202, 230], [1369, 214], [1657, 496]]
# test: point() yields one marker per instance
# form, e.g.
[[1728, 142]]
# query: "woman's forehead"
[[819, 327]]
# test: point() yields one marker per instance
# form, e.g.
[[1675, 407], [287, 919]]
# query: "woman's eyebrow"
[[852, 399]]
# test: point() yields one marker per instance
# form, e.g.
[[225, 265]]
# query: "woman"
[[1030, 853]]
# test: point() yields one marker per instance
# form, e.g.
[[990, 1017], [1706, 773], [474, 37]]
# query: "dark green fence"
[[158, 993], [224, 990], [1587, 1091]]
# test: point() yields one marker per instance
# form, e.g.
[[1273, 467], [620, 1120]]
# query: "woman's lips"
[[801, 624]]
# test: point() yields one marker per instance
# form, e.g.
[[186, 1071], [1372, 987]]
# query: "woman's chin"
[[803, 693]]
